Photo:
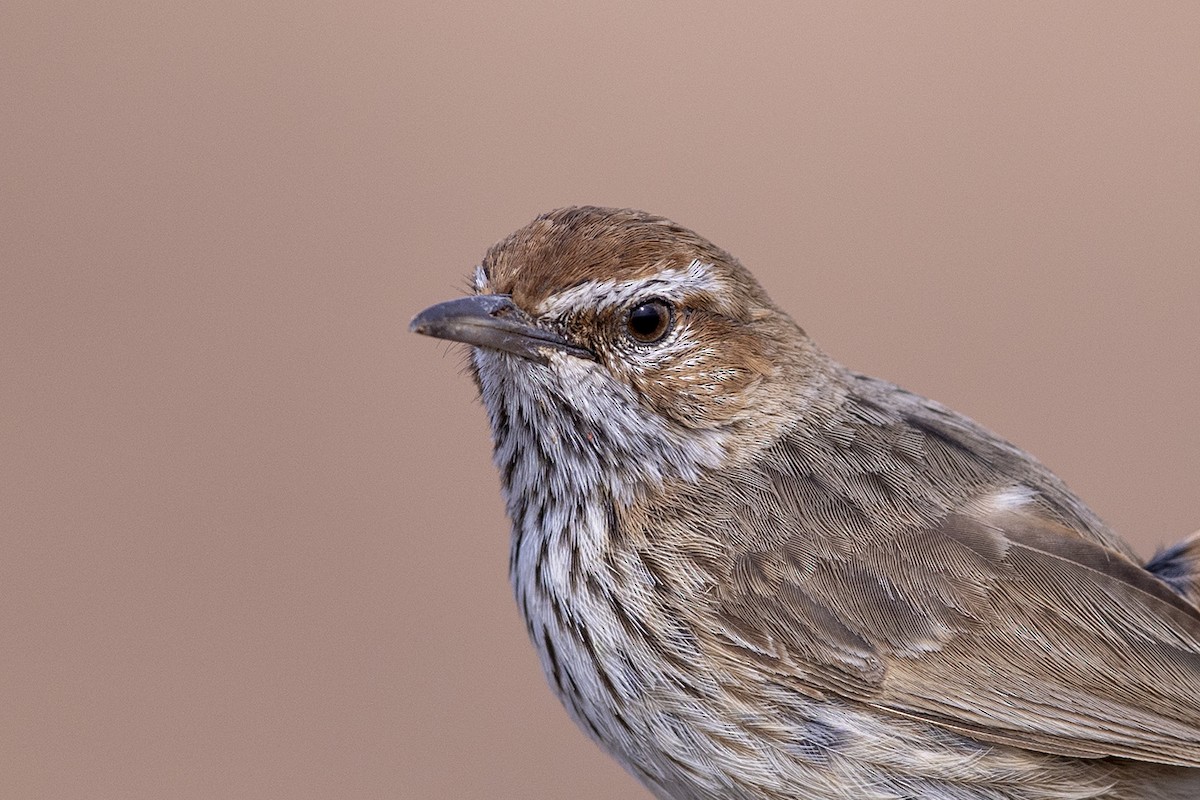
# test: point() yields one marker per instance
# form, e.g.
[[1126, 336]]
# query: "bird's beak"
[[494, 321]]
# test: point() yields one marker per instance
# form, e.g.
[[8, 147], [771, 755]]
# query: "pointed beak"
[[493, 321]]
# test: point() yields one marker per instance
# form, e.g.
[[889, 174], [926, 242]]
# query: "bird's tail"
[[1179, 567]]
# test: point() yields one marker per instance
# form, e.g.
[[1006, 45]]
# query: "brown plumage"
[[751, 573]]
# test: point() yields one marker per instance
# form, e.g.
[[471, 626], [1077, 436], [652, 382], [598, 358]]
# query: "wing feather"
[[903, 571]]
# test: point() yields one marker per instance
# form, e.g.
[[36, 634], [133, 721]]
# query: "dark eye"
[[650, 321]]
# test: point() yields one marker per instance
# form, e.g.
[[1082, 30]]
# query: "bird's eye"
[[649, 322]]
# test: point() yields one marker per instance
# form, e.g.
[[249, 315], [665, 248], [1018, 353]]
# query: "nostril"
[[502, 306]]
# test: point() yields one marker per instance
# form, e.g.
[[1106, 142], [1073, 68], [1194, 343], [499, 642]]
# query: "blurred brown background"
[[252, 541]]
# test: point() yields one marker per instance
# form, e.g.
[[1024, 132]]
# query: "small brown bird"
[[752, 573]]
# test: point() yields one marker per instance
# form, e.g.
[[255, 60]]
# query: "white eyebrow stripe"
[[670, 284]]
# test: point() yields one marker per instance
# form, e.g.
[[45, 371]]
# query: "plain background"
[[252, 544]]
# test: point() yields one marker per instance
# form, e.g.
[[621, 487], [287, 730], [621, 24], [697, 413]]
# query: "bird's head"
[[616, 323]]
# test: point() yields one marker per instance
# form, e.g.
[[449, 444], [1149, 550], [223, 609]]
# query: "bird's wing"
[[995, 620]]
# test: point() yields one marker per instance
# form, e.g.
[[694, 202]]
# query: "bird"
[[751, 573]]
